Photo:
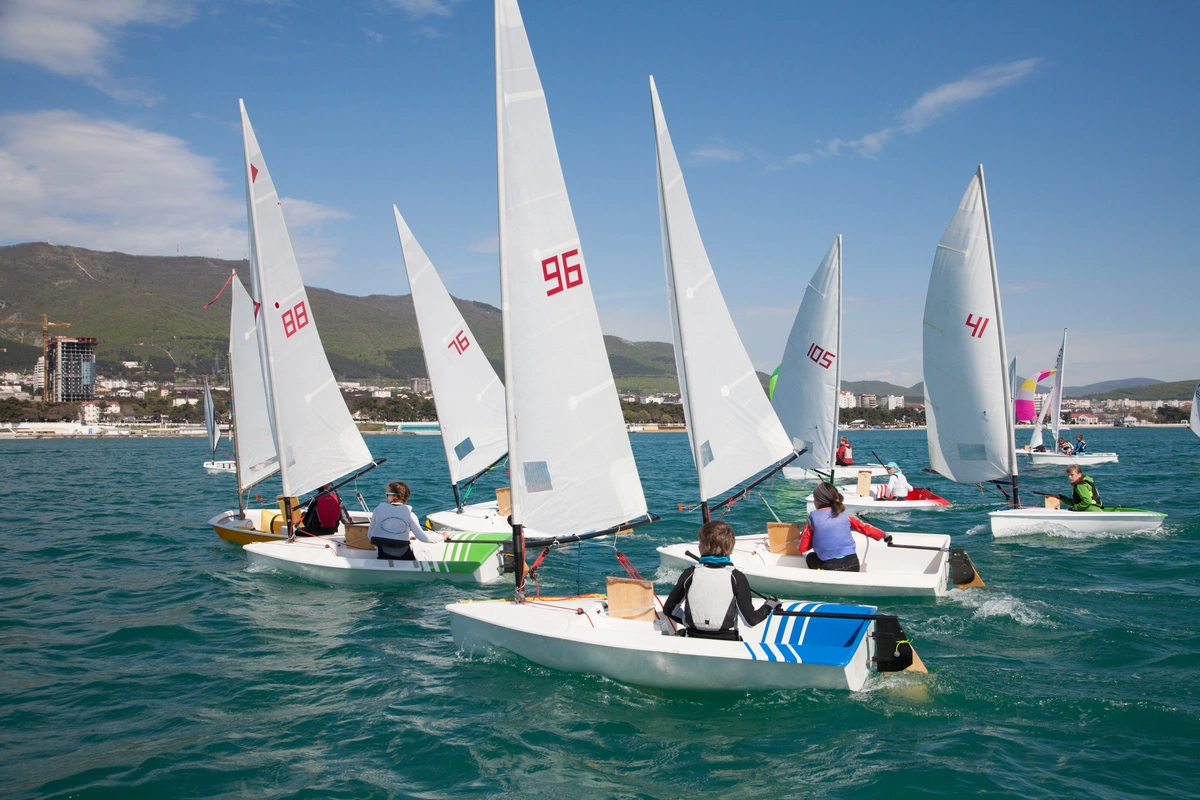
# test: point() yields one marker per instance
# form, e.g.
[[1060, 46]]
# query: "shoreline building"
[[71, 368]]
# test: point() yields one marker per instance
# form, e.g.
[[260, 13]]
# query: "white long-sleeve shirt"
[[397, 522], [898, 487]]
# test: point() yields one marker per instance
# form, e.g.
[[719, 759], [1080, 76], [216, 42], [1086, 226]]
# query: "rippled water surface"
[[140, 658]]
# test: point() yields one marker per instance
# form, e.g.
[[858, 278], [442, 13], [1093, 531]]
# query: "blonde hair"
[[400, 490], [716, 538]]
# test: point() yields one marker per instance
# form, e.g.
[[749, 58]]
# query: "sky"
[[794, 122]]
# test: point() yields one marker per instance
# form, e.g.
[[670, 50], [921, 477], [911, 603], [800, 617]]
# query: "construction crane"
[[46, 326]]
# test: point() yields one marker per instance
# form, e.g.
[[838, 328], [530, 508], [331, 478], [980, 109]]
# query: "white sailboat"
[[1053, 408], [806, 390], [805, 398], [212, 465], [1194, 420], [558, 381], [468, 394]]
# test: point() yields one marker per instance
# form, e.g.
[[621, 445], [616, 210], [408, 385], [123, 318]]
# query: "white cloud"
[[418, 9], [931, 106], [373, 35], [105, 185], [75, 38], [485, 244], [716, 152]]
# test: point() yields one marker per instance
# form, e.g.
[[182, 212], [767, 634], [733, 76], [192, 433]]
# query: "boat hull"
[[330, 560], [1083, 460], [475, 518], [220, 467], [256, 525], [852, 500], [885, 571], [1018, 521], [840, 474], [554, 634]]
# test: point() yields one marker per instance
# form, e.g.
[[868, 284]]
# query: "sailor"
[[1084, 496], [323, 514], [1080, 445], [1064, 447], [714, 591], [898, 486], [845, 453], [828, 533], [393, 524]]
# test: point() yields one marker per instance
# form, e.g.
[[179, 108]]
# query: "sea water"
[[140, 657]]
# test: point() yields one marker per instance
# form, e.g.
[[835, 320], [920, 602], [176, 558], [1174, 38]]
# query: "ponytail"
[[826, 495]]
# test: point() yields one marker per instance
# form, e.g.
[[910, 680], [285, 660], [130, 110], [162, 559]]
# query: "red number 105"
[[554, 270], [820, 356]]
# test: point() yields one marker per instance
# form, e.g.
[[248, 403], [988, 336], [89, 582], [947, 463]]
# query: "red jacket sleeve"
[[806, 538], [857, 524]]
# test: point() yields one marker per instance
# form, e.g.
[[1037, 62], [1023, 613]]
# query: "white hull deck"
[[220, 467], [859, 504], [578, 635], [840, 474], [1083, 459], [1024, 521], [328, 559], [885, 571], [475, 518]]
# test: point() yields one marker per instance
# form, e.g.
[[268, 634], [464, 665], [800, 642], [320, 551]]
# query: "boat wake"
[[1043, 529], [990, 604]]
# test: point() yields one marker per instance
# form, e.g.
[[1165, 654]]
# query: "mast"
[[518, 536], [1008, 402], [837, 365]]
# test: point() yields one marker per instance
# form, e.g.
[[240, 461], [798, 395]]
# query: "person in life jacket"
[[714, 593], [323, 514], [393, 525], [898, 486], [827, 536], [1064, 447], [845, 453], [1084, 496], [1080, 445]]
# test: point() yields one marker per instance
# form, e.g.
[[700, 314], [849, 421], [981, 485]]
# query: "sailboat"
[[468, 394], [1194, 420], [808, 380], [1053, 408], [213, 466], [805, 398], [561, 484]]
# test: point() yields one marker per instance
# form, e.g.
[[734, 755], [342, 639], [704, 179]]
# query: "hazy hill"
[[1108, 386], [1175, 390], [150, 309]]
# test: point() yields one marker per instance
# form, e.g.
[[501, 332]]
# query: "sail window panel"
[[706, 454], [537, 477], [464, 448], [972, 452]]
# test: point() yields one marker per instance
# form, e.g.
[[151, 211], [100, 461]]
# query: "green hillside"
[[1174, 390], [150, 309]]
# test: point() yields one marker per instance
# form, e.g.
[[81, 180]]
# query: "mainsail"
[[968, 406], [468, 394], [314, 434], [210, 421], [1195, 418], [253, 437], [572, 466], [806, 391], [733, 430], [1056, 393]]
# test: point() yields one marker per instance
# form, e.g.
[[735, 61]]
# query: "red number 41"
[[555, 270]]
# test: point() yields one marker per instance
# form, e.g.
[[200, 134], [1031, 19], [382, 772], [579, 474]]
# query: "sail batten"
[[315, 436], [572, 466], [968, 402], [466, 389], [733, 431]]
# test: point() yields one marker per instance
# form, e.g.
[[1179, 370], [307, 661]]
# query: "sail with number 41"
[[571, 462], [968, 403], [315, 437]]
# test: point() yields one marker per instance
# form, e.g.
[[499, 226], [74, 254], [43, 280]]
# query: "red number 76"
[[573, 272]]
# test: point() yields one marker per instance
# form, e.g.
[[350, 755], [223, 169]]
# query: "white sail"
[[968, 405], [210, 421], [254, 441], [1195, 418], [468, 394], [806, 391], [733, 430], [1055, 401], [314, 435], [572, 467]]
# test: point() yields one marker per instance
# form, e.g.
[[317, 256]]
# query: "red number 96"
[[554, 269]]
